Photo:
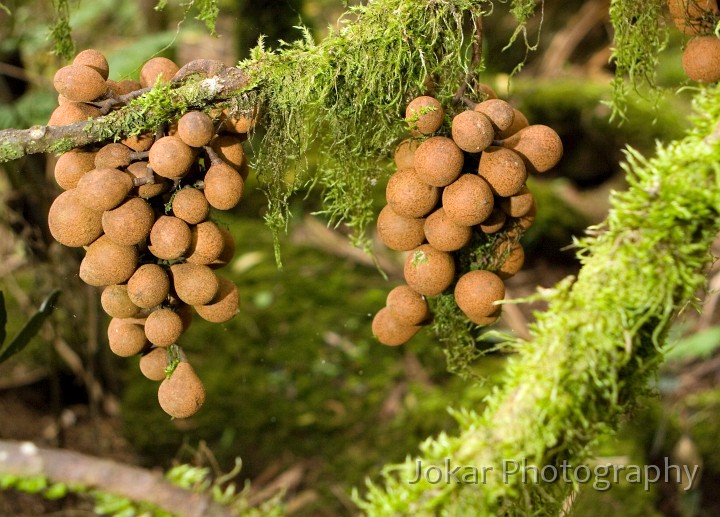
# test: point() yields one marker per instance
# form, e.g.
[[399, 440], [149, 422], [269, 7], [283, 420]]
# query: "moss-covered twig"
[[595, 348]]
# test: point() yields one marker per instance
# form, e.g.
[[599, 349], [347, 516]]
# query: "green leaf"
[[32, 327], [3, 319]]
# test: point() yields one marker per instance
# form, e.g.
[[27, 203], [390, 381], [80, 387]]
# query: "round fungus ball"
[[230, 150], [113, 156], [407, 306], [503, 169], [195, 284], [157, 68], [519, 204], [158, 185], [228, 251], [126, 337], [224, 186], [409, 196], [130, 223], [108, 263], [444, 234], [149, 286], [389, 331], [169, 238], [183, 394], [190, 205], [468, 201], [95, 60], [499, 113], [72, 224], [400, 233], [404, 155], [429, 271], [539, 146], [163, 327], [512, 259], [206, 243], [424, 114], [224, 306], [438, 161], [520, 121], [72, 112], [103, 189], [116, 303], [153, 363], [701, 59], [79, 83], [476, 293], [170, 157], [472, 131], [195, 128], [494, 222], [71, 166]]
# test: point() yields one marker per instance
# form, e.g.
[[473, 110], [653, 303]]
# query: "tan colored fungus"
[[429, 271], [468, 201], [400, 233], [438, 161], [409, 196], [407, 306]]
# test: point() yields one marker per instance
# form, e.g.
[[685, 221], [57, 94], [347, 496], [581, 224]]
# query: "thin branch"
[[24, 459], [195, 93]]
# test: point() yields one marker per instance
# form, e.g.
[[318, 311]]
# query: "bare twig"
[[137, 484]]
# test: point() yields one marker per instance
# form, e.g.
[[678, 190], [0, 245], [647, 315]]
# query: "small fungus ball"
[[149, 286], [224, 186], [183, 394], [513, 259], [503, 169], [476, 292], [498, 111], [409, 196], [438, 161], [170, 157], [206, 243], [70, 223], [404, 155], [190, 205], [71, 113], [468, 201], [224, 306], [153, 363], [130, 223], [701, 59], [141, 170], [116, 303], [195, 284], [494, 222], [519, 204], [71, 166], [407, 306], [195, 128], [400, 233], [539, 146], [108, 263], [157, 68], [424, 114], [429, 271], [169, 238], [472, 131], [444, 234], [103, 189], [79, 83], [125, 337], [95, 60], [389, 331], [230, 150], [113, 156], [163, 327]]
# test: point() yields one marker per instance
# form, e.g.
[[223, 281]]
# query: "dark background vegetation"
[[297, 386]]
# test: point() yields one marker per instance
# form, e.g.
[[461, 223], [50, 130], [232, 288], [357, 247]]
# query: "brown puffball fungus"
[[472, 131], [494, 222], [129, 223], [429, 271], [390, 332], [468, 201], [195, 128], [157, 68], [438, 161], [190, 205], [148, 190], [72, 112], [224, 306], [113, 156], [519, 204], [407, 306], [103, 189], [206, 243], [444, 234], [476, 292], [170, 157], [224, 186], [701, 59], [149, 286], [71, 166], [228, 251], [79, 83], [503, 169], [139, 143], [116, 303], [108, 263], [424, 114], [95, 60], [538, 145], [519, 122], [230, 150], [169, 238], [70, 223], [409, 196], [499, 113], [195, 284], [399, 233], [404, 155], [163, 327], [183, 394], [125, 337], [153, 363], [514, 259], [694, 17]]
